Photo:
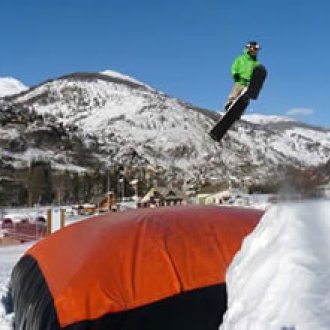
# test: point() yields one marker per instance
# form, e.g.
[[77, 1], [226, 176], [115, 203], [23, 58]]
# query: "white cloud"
[[300, 112]]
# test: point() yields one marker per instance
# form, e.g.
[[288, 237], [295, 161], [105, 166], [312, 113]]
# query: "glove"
[[236, 77]]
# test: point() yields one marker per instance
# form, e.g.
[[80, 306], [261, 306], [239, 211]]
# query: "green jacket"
[[243, 66]]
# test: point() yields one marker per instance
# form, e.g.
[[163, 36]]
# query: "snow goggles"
[[253, 47]]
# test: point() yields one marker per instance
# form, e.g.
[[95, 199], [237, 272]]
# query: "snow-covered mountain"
[[11, 86], [123, 120]]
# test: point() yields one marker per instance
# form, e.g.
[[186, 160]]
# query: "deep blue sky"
[[181, 47]]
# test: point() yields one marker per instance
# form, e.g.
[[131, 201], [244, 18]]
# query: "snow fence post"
[[55, 219]]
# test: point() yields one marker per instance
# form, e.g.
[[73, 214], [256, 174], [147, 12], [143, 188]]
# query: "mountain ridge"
[[120, 119]]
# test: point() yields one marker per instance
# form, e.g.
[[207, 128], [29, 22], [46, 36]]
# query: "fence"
[[24, 231]]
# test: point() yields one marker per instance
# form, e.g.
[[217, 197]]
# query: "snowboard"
[[237, 108], [257, 80], [234, 112]]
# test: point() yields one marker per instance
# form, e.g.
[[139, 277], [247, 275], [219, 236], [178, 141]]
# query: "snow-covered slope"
[[11, 86], [130, 122]]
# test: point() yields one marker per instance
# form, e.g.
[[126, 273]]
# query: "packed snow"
[[280, 279]]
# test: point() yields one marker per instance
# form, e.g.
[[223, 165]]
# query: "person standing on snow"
[[241, 70]]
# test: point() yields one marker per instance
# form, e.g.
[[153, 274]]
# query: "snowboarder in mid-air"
[[248, 75], [241, 70]]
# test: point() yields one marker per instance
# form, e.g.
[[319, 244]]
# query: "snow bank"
[[281, 277]]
